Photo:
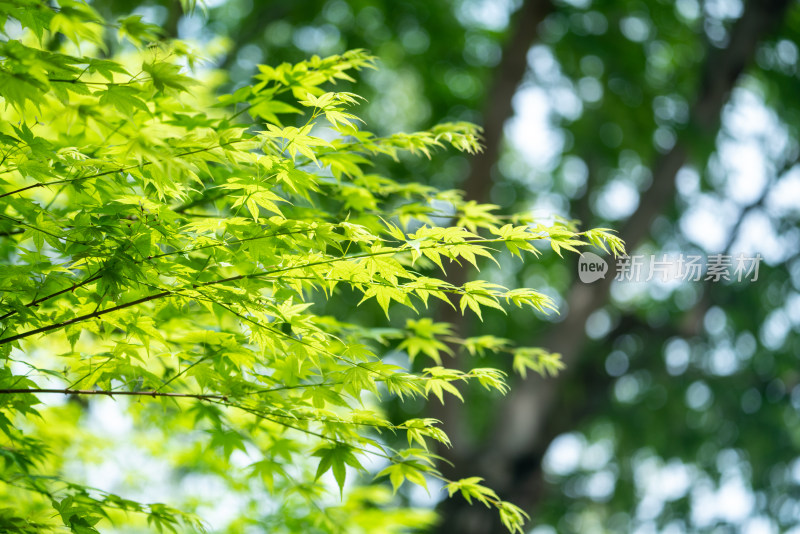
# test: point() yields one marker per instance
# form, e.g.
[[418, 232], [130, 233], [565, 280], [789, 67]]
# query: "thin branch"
[[109, 393], [51, 234], [162, 294], [178, 375], [94, 315], [113, 171], [99, 274], [80, 82]]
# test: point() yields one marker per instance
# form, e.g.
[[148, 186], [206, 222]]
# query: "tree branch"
[[155, 296], [109, 393], [94, 315], [112, 171]]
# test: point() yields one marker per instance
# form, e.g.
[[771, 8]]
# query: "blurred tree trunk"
[[174, 14], [534, 413], [498, 108], [478, 184]]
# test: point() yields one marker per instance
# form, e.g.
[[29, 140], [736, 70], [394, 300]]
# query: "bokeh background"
[[676, 123]]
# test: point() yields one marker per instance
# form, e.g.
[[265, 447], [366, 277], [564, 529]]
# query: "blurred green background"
[[674, 122]]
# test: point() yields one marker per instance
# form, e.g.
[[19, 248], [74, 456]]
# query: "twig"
[[68, 391]]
